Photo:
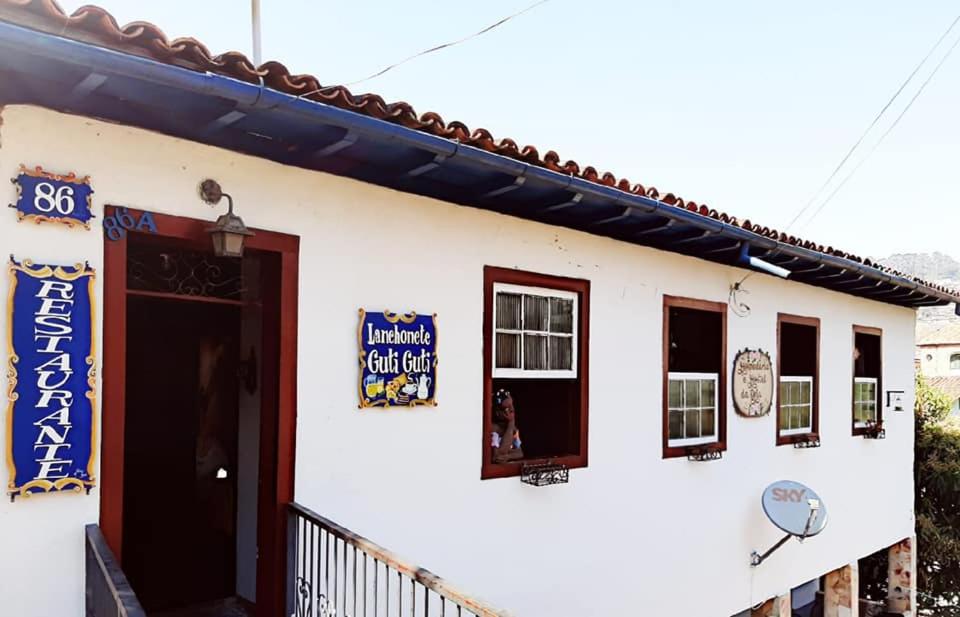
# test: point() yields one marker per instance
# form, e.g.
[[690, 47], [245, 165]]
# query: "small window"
[[798, 377], [864, 401], [955, 362], [867, 378], [535, 334], [535, 341], [692, 408], [694, 403]]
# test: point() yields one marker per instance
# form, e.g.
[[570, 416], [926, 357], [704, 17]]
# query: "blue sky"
[[744, 105]]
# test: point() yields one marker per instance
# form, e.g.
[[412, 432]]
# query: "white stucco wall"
[[631, 533], [938, 362]]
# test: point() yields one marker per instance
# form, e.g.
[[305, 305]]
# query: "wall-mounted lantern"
[[229, 232]]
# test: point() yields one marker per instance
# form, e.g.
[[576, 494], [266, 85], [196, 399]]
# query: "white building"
[[621, 367], [938, 353]]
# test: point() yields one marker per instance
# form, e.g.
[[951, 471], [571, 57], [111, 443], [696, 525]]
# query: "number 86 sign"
[[43, 196]]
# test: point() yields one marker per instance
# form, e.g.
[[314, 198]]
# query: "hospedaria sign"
[[398, 359], [52, 379], [47, 197]]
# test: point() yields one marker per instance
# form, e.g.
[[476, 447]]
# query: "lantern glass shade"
[[226, 244], [228, 236]]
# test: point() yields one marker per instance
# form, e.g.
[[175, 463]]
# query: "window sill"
[[684, 451], [513, 469], [798, 438]]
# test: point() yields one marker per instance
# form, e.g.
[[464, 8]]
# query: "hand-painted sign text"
[[398, 359], [43, 196], [52, 379]]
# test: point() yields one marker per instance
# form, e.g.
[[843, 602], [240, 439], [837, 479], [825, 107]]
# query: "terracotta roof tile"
[[946, 334], [95, 25], [948, 385]]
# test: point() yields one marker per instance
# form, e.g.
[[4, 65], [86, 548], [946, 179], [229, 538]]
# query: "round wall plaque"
[[752, 383]]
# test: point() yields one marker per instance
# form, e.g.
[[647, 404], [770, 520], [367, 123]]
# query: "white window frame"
[[796, 379], [545, 292], [876, 400], [695, 441], [954, 356]]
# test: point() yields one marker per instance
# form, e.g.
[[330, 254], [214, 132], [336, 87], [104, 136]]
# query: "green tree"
[[937, 504], [937, 507]]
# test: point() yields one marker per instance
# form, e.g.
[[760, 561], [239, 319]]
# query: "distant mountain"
[[933, 267]]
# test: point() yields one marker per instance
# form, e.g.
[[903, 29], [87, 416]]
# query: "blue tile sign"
[[398, 359], [43, 196], [51, 369]]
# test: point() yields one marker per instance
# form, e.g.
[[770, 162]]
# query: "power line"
[[431, 50], [876, 119], [738, 286], [884, 136]]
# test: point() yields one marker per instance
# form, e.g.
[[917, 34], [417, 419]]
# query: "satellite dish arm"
[[756, 559]]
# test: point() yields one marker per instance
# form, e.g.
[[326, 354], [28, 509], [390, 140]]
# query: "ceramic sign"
[[52, 379], [752, 383], [44, 196], [398, 359]]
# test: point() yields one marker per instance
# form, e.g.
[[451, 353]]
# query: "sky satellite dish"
[[795, 509]]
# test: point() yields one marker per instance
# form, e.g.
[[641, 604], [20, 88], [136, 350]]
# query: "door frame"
[[277, 460]]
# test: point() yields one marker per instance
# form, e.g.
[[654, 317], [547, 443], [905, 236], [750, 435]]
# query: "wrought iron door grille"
[[184, 272]]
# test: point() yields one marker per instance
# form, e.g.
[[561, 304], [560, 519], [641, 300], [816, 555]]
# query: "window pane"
[[692, 422], [675, 389], [794, 393], [676, 425], [561, 315], [534, 352], [692, 393], [508, 311], [858, 412], [784, 393], [508, 350], [805, 392], [706, 422], [784, 417], [536, 311], [561, 352], [871, 392], [804, 417], [707, 393]]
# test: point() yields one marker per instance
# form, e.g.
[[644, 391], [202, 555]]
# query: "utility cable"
[[873, 123], [884, 136], [738, 286], [431, 50]]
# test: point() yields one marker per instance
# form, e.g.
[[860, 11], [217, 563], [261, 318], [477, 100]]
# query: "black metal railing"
[[108, 592], [335, 572]]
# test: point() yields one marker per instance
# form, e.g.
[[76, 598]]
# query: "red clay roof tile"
[[95, 25]]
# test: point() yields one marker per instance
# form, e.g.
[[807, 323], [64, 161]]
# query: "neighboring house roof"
[[945, 334], [640, 221], [948, 385]]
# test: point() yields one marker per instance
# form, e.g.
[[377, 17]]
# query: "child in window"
[[505, 437]]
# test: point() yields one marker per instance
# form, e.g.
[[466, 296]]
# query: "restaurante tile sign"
[[752, 383], [51, 369], [44, 196], [398, 359]]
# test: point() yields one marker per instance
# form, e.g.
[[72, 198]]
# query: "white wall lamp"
[[229, 232]]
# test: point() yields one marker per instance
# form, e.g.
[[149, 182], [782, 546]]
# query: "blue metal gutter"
[[248, 97]]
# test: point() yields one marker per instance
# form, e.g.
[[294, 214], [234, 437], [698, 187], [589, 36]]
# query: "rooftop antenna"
[[255, 18]]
